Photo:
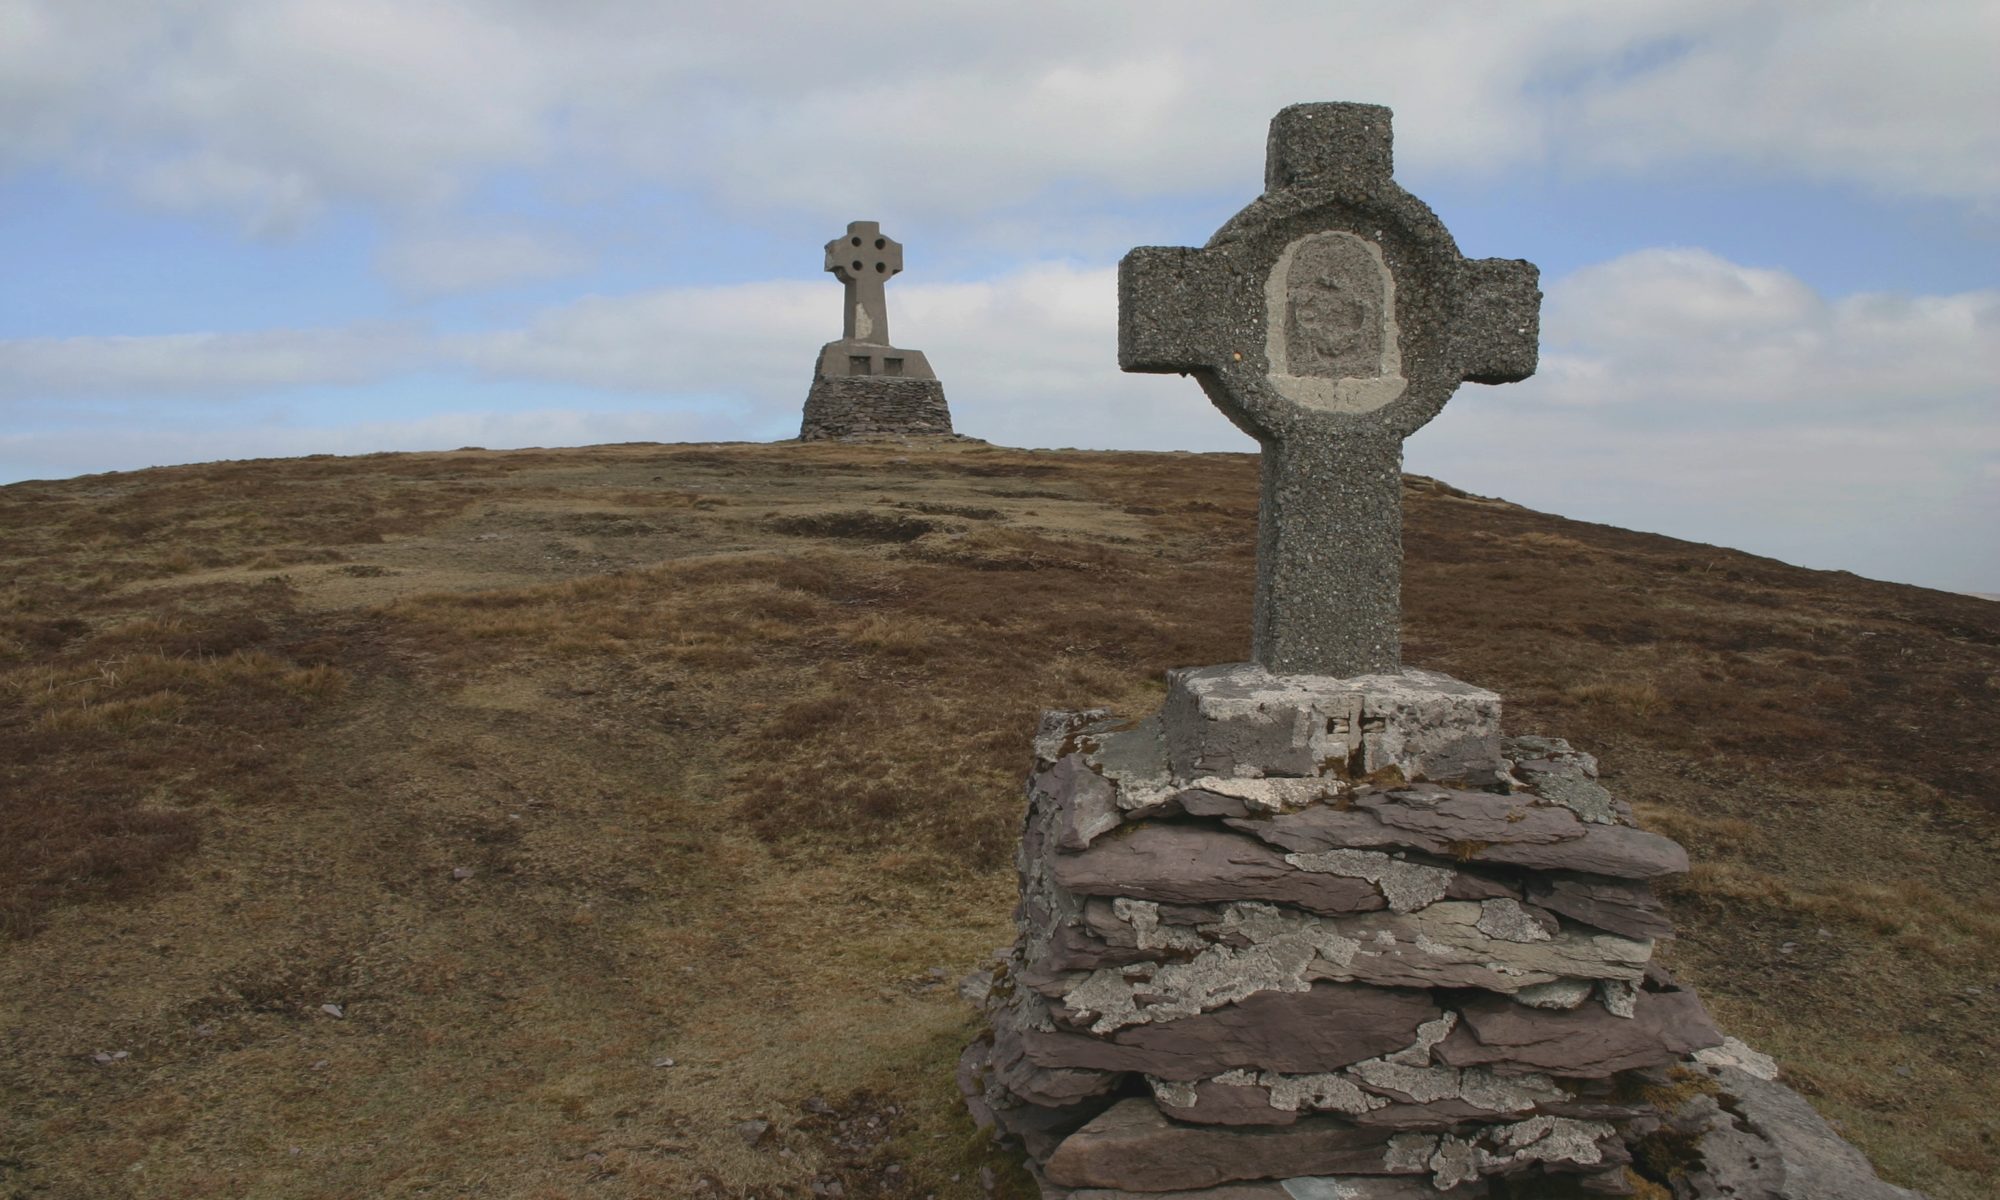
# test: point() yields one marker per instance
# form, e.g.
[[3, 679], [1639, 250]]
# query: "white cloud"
[[1026, 359], [439, 263], [1895, 98], [204, 365], [753, 340], [274, 109], [1687, 394], [1686, 331]]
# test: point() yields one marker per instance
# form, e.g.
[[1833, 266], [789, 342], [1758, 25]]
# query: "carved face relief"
[[1331, 333], [1333, 310]]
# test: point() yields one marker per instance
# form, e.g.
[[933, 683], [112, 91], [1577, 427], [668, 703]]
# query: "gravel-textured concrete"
[[1329, 320]]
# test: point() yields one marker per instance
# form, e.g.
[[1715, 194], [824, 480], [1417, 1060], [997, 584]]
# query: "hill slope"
[[546, 769]]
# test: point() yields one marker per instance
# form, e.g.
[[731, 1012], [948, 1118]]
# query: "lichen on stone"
[[1406, 886], [1281, 951], [1324, 1092], [1270, 795], [1509, 922], [1319, 1187], [1455, 1161], [1144, 918], [1429, 1034], [1409, 1153], [1551, 1139], [1559, 993], [1173, 1093], [1587, 798], [1424, 1085], [1733, 1053], [1620, 997]]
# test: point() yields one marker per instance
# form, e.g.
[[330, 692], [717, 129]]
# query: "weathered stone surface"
[[1540, 1144], [1330, 319], [972, 1077], [1241, 719], [1253, 947], [1038, 1129], [1132, 1146], [1215, 796], [1737, 1056], [1763, 1141], [1378, 1092], [1527, 749], [1046, 909], [1512, 921], [1472, 827], [1228, 1191], [1621, 906], [1566, 784], [1009, 1066], [1325, 1027], [858, 406], [1584, 1042], [1084, 802], [1134, 758], [1308, 1187], [1059, 731], [1405, 886], [1551, 1141], [1195, 864], [1259, 947], [1563, 993], [1231, 1100], [1445, 817]]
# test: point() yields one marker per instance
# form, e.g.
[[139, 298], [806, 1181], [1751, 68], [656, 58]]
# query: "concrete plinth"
[[1240, 720]]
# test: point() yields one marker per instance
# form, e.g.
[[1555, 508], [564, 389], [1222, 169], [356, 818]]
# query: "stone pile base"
[[1316, 938], [873, 406]]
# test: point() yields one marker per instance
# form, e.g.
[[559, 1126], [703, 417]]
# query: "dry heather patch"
[[579, 773], [109, 732]]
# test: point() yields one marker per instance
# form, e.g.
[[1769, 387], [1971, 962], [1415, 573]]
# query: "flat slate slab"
[[1133, 1146]]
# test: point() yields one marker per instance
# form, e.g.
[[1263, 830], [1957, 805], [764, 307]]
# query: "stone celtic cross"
[[1329, 320], [864, 260]]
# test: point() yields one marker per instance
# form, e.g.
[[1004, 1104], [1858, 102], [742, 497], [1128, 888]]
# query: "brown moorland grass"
[[526, 823]]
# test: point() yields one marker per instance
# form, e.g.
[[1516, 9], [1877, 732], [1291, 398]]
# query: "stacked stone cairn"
[[1303, 926], [1316, 929]]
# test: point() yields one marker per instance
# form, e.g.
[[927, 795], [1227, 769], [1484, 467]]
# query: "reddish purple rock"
[[1324, 1028], [1196, 864], [1134, 1147], [1586, 1041], [1622, 906]]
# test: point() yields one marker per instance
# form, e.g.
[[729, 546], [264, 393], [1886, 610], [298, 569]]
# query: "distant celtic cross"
[[864, 260], [864, 386], [1330, 319]]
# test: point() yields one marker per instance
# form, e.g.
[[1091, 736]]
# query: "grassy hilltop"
[[536, 824]]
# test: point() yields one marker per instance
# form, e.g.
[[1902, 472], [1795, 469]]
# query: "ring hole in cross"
[[881, 267], [857, 264], [856, 241], [881, 242]]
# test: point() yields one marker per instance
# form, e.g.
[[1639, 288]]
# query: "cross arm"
[[1499, 325], [1168, 318]]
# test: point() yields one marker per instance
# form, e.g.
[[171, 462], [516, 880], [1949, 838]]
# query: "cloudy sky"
[[1769, 232]]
